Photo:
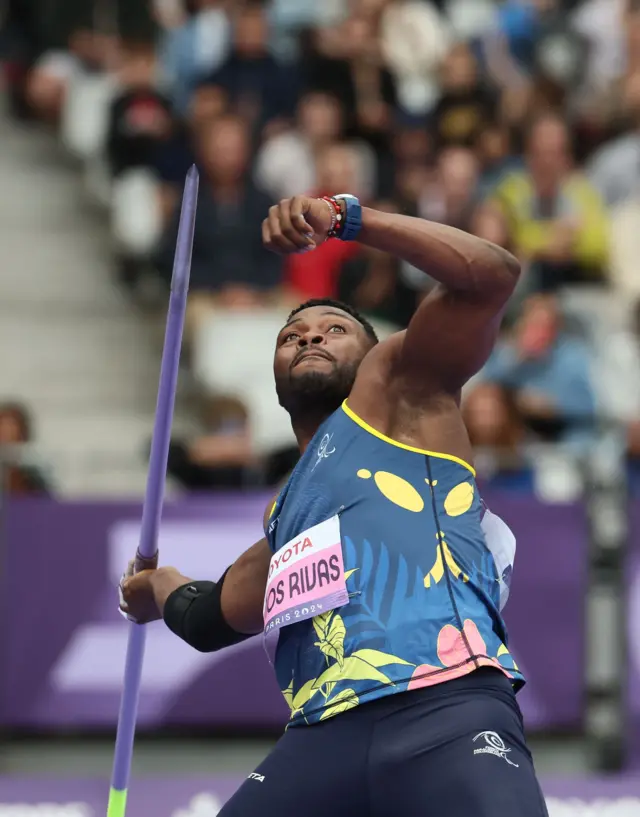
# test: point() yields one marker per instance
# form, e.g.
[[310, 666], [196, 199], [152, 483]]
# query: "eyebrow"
[[344, 315]]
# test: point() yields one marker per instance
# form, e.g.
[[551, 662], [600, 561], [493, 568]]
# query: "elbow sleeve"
[[194, 613]]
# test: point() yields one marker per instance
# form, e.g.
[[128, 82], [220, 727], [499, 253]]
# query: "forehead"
[[314, 315]]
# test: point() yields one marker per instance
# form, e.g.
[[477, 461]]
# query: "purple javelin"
[[154, 496]]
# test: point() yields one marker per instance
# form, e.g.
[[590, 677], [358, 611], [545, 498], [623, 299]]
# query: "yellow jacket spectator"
[[557, 220]]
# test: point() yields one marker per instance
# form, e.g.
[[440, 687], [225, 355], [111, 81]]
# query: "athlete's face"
[[317, 357]]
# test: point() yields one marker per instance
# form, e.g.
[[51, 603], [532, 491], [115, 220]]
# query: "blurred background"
[[518, 121]]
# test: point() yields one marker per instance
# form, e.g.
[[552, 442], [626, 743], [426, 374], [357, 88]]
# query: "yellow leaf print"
[[328, 689], [303, 695], [321, 624], [332, 645], [345, 699], [437, 571], [353, 669], [379, 659], [350, 573], [288, 695], [502, 650]]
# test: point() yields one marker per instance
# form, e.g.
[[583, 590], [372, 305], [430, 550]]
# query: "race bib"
[[306, 578]]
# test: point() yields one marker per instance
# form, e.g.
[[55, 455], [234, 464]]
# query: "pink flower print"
[[454, 654]]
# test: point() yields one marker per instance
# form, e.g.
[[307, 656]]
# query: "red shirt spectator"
[[315, 274]]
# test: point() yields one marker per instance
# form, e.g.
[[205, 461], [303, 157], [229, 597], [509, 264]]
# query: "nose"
[[310, 339]]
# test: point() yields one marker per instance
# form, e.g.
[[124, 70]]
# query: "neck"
[[305, 427]]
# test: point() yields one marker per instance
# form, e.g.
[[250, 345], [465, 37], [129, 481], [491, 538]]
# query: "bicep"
[[449, 338], [243, 589]]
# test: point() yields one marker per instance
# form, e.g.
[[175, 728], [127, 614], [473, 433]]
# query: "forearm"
[[458, 260], [212, 615], [164, 581]]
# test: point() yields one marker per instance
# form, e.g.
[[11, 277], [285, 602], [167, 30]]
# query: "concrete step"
[[72, 346]]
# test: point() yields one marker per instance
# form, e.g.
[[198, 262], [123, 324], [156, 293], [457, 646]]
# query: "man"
[[229, 267], [556, 219], [547, 370], [378, 573]]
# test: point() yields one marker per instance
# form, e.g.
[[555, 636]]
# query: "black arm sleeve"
[[194, 613]]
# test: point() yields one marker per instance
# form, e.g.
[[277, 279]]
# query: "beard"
[[316, 394]]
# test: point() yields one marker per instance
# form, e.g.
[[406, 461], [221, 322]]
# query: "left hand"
[[135, 567], [296, 225]]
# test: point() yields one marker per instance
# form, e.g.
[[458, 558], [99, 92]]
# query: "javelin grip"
[[147, 552]]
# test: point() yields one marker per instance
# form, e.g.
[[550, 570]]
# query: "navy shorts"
[[454, 750]]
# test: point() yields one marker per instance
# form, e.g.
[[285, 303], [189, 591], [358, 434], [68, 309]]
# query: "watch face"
[[345, 196]]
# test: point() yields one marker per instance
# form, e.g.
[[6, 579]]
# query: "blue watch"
[[352, 218]]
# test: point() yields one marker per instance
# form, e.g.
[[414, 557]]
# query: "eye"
[[337, 327], [289, 336]]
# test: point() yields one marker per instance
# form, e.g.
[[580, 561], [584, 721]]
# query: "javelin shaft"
[[152, 508], [154, 496]]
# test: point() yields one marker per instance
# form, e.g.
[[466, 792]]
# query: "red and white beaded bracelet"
[[336, 217]]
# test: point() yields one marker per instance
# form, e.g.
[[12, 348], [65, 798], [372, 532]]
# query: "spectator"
[[50, 76], [140, 117], [618, 101], [519, 26], [19, 476], [557, 220], [347, 63], [614, 170], [402, 173], [258, 88], [194, 48], [140, 125], [174, 156], [372, 283], [446, 195], [450, 196], [497, 434], [466, 105], [286, 163], [495, 151], [414, 41], [548, 373], [229, 267], [601, 23]]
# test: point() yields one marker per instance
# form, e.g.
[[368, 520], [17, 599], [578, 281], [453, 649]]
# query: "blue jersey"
[[423, 586]]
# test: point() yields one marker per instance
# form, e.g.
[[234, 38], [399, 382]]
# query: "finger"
[[298, 208], [126, 615], [296, 233], [283, 235], [266, 236]]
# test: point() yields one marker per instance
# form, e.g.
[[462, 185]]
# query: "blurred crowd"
[[516, 120]]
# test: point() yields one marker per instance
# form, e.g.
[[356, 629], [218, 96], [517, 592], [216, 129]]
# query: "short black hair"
[[334, 304]]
